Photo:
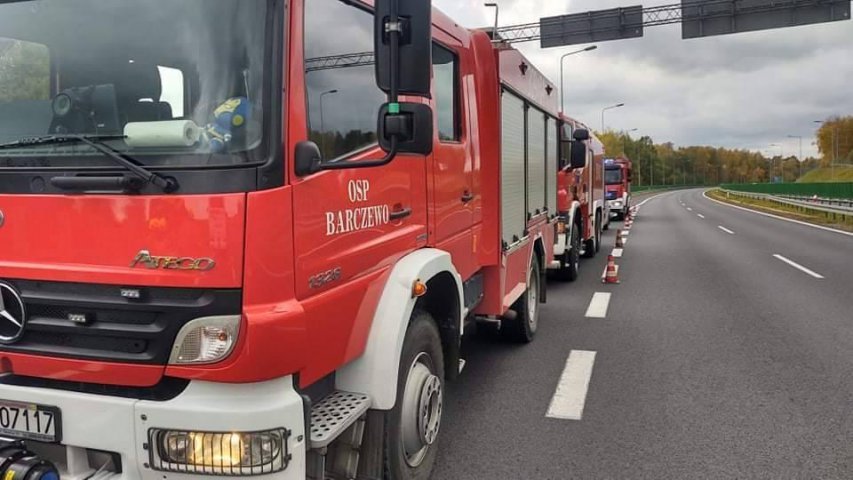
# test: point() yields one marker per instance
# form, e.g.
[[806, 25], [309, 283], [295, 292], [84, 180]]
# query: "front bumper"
[[616, 206], [120, 426]]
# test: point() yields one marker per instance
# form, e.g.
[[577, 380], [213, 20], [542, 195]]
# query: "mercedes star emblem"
[[13, 315]]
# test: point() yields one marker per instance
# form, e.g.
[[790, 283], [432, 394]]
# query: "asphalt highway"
[[725, 352]]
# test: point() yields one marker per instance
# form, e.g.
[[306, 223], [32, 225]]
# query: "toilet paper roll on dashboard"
[[171, 133]]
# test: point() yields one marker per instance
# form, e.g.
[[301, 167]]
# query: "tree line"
[[667, 164]]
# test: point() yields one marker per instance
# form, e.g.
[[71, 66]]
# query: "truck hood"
[[189, 241]]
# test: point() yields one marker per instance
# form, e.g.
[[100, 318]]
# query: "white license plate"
[[29, 421]]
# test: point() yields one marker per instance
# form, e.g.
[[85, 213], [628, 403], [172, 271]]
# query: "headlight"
[[205, 340], [222, 453]]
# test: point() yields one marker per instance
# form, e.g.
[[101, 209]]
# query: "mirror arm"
[[392, 154], [394, 29]]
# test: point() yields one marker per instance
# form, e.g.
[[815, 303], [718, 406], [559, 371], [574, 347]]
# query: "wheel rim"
[[532, 299], [421, 413]]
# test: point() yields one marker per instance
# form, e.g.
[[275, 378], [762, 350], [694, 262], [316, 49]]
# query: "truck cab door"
[[455, 194], [350, 226]]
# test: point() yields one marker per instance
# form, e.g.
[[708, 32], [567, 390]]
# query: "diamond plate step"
[[334, 414]]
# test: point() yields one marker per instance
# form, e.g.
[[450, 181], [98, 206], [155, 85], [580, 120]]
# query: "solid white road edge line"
[[651, 198], [725, 230], [777, 217], [570, 397], [799, 267], [598, 305]]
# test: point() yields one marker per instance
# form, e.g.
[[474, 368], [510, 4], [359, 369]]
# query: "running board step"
[[333, 415]]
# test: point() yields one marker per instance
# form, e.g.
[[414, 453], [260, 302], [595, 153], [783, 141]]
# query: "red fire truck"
[[216, 261], [583, 213], [617, 175]]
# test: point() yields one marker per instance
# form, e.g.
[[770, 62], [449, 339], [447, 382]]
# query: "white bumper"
[[616, 206], [560, 247], [121, 425]]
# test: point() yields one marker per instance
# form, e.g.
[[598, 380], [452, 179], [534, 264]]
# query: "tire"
[[570, 269], [412, 427], [522, 328], [598, 233], [593, 245]]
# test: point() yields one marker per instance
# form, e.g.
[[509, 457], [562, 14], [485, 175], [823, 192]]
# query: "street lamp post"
[[618, 105], [562, 81], [497, 13], [773, 161], [627, 136], [800, 159], [322, 120]]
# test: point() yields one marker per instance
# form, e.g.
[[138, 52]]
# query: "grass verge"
[[796, 213], [840, 174]]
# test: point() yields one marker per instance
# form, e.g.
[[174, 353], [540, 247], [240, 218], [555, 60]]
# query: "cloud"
[[741, 91]]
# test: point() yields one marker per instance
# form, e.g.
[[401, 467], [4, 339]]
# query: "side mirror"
[[307, 159], [579, 152], [412, 126], [403, 44], [581, 135]]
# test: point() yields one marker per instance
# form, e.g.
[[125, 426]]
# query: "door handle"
[[400, 214], [467, 196]]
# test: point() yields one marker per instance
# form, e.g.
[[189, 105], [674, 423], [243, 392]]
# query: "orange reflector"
[[561, 228], [419, 289]]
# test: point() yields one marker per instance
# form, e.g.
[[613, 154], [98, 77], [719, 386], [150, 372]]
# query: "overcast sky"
[[743, 91]]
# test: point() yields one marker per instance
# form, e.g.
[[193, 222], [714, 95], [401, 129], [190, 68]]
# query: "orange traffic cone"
[[612, 274], [619, 243]]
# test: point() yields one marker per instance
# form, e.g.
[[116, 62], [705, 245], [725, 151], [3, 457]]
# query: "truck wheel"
[[413, 425], [598, 232], [523, 327], [570, 269], [593, 245]]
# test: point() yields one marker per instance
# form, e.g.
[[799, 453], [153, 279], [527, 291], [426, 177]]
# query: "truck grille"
[[108, 326]]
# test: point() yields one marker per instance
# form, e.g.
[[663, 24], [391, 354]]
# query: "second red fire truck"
[[617, 176], [583, 211], [218, 260]]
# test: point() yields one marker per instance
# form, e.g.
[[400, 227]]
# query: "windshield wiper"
[[168, 185]]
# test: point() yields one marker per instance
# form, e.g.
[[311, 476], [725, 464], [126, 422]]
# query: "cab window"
[[341, 90], [445, 67]]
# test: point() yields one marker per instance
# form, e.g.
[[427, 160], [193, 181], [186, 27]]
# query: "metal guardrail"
[[804, 205], [841, 203], [822, 190]]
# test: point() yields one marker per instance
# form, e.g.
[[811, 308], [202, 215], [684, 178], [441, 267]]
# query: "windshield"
[[181, 80], [613, 177]]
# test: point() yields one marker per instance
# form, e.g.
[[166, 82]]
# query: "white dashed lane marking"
[[617, 252], [700, 215], [726, 230], [598, 305], [799, 267], [569, 399]]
